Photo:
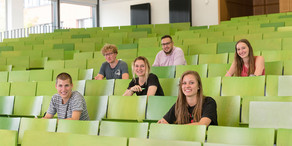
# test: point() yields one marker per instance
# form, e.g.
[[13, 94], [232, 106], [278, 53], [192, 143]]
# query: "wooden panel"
[[284, 5]]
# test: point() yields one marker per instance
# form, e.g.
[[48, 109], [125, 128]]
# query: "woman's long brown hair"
[[239, 61], [181, 107]]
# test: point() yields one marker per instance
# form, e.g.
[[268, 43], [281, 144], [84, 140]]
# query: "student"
[[67, 104], [112, 68], [191, 107], [146, 83], [169, 55], [245, 63]]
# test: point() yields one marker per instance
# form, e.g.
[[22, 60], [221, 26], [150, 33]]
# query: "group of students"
[[191, 107]]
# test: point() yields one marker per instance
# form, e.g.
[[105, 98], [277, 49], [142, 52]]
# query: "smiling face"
[[140, 68], [242, 50], [64, 88], [190, 85], [110, 57], [167, 45]]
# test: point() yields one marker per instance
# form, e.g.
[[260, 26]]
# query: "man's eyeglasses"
[[163, 44], [108, 54]]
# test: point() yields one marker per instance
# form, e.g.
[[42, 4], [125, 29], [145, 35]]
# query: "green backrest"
[[121, 86], [126, 107], [178, 132], [35, 124], [274, 112], [99, 87], [163, 71], [287, 67], [127, 46], [8, 138], [238, 135], [27, 105], [78, 127], [37, 62], [284, 137], [215, 70], [203, 49], [9, 123], [6, 105], [284, 83], [66, 46], [223, 144], [148, 52], [192, 59], [286, 43], [272, 85], [85, 74], [213, 39], [123, 129], [201, 69], [79, 86], [40, 75], [54, 64], [96, 107], [255, 36], [226, 47], [74, 72], [228, 110], [18, 76], [211, 86], [270, 56], [95, 64], [169, 86], [46, 104], [274, 68], [23, 88], [243, 86], [81, 64], [213, 58], [4, 76], [46, 88], [19, 61], [160, 142], [5, 88], [54, 54], [266, 44], [158, 106]]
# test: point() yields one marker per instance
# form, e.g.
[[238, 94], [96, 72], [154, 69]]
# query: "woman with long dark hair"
[[245, 63], [191, 107]]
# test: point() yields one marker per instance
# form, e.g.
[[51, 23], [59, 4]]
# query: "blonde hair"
[[109, 48], [147, 66], [181, 106]]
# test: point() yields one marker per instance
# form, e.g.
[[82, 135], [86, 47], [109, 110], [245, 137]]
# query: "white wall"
[[14, 14], [117, 12]]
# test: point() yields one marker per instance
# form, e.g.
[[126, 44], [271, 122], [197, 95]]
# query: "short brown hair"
[[64, 76], [109, 47]]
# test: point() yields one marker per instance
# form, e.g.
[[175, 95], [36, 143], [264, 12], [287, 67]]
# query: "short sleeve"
[[131, 84], [77, 102], [52, 108], [179, 58], [209, 110], [170, 115], [153, 80], [124, 67], [102, 69]]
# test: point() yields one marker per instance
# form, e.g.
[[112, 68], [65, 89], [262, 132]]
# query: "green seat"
[[55, 64], [215, 70], [37, 62], [243, 86], [79, 85], [275, 25], [6, 105], [226, 47], [127, 46], [211, 86], [46, 88], [99, 87], [287, 67], [19, 61], [255, 36], [23, 88], [192, 59], [223, 144], [148, 52], [37, 125], [96, 107], [201, 69], [18, 76], [239, 135], [8, 138], [74, 72], [203, 49], [274, 112], [121, 86], [213, 39], [284, 83], [284, 137], [228, 110], [66, 46], [4, 76], [178, 132], [85, 74], [159, 142], [95, 64], [41, 75], [213, 58], [27, 106], [123, 129], [9, 123], [45, 105], [272, 85], [83, 55], [126, 107], [274, 68], [54, 54], [127, 54], [78, 127], [266, 44], [4, 88], [158, 106], [163, 71], [81, 63], [169, 86]]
